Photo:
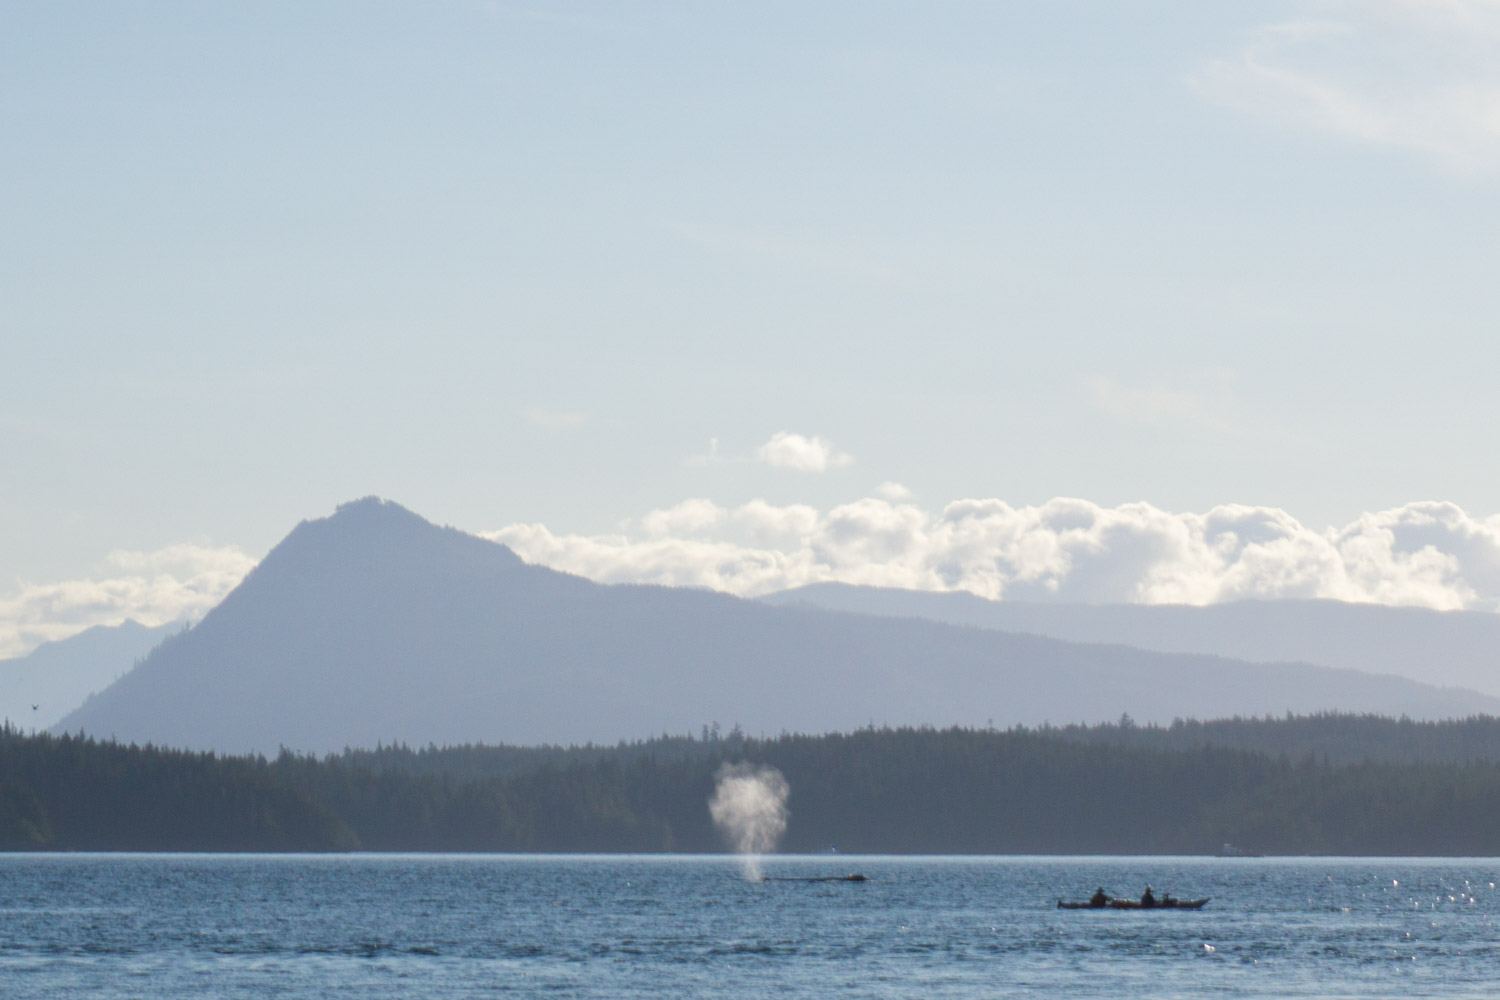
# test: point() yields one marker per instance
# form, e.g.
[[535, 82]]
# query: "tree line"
[[1181, 789], [1341, 738]]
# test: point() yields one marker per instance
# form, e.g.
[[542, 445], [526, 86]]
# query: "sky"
[[1144, 301]]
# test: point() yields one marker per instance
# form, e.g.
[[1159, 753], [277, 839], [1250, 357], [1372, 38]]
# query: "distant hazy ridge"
[[1459, 648], [56, 676]]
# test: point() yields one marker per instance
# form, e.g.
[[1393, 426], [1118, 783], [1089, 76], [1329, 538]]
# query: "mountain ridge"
[[374, 625], [57, 676], [1444, 648]]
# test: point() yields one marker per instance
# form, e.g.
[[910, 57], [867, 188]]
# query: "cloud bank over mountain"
[[1426, 554], [154, 588], [1432, 555]]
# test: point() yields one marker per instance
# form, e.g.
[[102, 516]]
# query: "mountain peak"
[[373, 516], [374, 531], [371, 507], [366, 547]]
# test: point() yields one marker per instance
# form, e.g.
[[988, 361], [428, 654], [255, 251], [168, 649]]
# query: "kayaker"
[[1099, 898], [1147, 900]]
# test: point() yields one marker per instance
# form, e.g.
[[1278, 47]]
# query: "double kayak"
[[1165, 903]]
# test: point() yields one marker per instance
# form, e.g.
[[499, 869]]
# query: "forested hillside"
[[1331, 737], [75, 794], [1338, 738], [876, 790]]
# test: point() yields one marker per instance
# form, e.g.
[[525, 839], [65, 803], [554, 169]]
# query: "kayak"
[[1165, 903]]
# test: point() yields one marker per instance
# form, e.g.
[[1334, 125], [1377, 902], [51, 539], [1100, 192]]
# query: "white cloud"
[[892, 491], [180, 581], [686, 518], [1425, 554], [786, 450], [767, 524], [1422, 75]]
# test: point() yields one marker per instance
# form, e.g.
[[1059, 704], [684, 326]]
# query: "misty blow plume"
[[749, 808]]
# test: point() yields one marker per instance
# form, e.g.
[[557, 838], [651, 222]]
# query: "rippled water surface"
[[442, 926]]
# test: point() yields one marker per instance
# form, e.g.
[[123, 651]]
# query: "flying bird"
[[35, 707]]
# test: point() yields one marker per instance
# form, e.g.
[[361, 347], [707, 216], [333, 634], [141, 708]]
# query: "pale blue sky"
[[522, 262]]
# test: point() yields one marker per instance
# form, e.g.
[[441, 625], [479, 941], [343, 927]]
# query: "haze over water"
[[445, 926]]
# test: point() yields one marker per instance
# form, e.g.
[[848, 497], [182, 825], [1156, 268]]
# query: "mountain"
[[57, 676], [1455, 648], [374, 625]]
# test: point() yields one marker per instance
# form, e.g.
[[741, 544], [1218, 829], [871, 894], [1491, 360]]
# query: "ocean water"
[[375, 926]]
